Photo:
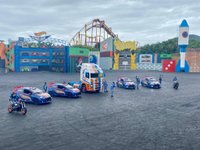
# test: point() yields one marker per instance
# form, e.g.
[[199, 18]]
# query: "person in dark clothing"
[[137, 81], [45, 87], [175, 79], [112, 87], [105, 86], [175, 83], [160, 79]]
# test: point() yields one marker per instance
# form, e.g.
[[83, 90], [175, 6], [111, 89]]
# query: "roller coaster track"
[[92, 33]]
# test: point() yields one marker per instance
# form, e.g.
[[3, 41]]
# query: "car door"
[[146, 82], [60, 90], [26, 95]]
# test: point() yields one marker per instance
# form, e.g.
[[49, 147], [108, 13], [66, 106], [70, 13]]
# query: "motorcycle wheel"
[[24, 111], [10, 109]]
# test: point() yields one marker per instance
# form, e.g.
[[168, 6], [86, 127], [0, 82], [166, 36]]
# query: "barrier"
[[149, 66]]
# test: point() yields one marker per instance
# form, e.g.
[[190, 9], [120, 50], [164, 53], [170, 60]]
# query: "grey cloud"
[[147, 21]]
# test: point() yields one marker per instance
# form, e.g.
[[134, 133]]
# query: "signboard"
[[145, 58], [165, 56], [130, 45], [169, 65], [107, 45], [183, 36], [125, 63]]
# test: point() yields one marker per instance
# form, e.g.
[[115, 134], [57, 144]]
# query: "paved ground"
[[136, 120]]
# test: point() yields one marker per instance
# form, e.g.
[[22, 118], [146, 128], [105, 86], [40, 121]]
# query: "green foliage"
[[169, 46]]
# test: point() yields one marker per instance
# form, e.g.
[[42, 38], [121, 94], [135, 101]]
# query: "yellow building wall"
[[116, 61], [133, 64], [120, 46]]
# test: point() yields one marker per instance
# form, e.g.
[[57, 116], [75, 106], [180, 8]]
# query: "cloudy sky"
[[146, 21]]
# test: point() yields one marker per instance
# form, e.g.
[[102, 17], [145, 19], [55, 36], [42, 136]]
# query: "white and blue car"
[[126, 83], [150, 82]]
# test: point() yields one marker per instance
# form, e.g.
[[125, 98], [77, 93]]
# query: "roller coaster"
[[92, 33]]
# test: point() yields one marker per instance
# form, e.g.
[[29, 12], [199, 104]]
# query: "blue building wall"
[[40, 59]]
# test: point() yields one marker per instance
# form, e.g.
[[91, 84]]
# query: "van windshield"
[[94, 75]]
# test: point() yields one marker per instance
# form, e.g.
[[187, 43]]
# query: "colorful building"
[[40, 59], [124, 55], [75, 57], [106, 53], [193, 59], [7, 57]]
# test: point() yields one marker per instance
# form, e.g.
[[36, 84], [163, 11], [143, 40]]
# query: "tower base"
[[185, 69]]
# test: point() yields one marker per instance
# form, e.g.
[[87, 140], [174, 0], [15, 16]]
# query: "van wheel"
[[83, 88]]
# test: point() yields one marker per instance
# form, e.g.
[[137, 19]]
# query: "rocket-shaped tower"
[[183, 40]]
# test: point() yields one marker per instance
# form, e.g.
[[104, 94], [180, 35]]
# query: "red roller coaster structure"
[[92, 33]]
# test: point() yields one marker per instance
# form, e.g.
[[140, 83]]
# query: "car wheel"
[[24, 111]]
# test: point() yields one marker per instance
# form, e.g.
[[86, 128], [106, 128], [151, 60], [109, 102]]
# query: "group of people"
[[112, 87]]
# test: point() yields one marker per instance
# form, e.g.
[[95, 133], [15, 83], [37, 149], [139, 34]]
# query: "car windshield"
[[152, 79], [69, 87], [94, 75], [127, 80], [36, 91]]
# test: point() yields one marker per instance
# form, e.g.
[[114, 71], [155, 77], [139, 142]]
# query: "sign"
[[169, 65], [93, 59], [145, 58], [165, 56], [183, 36], [40, 33], [130, 45], [125, 63], [40, 38], [106, 45]]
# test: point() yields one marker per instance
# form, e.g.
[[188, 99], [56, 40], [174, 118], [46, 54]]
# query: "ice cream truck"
[[91, 77]]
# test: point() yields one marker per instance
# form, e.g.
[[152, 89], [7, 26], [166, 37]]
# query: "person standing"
[[112, 87], [45, 87], [137, 81], [105, 86], [175, 83], [175, 79], [160, 79]]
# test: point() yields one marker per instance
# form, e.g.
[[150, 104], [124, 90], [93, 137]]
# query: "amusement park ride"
[[92, 33]]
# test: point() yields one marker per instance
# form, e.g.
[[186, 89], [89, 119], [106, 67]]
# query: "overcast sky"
[[146, 21]]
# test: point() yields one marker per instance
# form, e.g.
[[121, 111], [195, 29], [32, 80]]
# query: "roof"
[[184, 23], [91, 67]]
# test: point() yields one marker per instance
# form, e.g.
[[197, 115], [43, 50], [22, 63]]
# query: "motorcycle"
[[176, 85], [18, 106]]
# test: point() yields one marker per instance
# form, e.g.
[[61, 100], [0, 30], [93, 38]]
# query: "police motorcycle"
[[16, 104]]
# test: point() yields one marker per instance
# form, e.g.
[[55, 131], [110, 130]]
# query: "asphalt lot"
[[144, 119]]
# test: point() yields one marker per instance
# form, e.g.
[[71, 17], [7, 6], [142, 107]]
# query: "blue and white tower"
[[183, 40]]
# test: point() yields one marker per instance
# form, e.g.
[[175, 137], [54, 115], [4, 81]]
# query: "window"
[[26, 91], [61, 87], [87, 75], [69, 87], [94, 75]]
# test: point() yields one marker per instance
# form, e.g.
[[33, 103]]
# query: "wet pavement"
[[143, 119]]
